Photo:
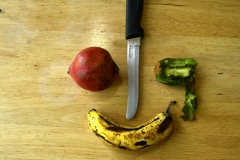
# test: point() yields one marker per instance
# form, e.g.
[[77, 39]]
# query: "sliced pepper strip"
[[180, 72]]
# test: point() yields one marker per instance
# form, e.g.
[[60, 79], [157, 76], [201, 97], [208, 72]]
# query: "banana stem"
[[169, 106]]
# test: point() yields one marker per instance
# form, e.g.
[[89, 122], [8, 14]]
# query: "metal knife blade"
[[133, 76], [133, 33]]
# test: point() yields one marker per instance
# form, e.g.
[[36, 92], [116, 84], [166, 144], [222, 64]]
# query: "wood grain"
[[43, 112]]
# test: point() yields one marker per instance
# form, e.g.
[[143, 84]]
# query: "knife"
[[134, 32]]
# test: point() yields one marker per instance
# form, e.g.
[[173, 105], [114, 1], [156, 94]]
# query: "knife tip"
[[129, 117]]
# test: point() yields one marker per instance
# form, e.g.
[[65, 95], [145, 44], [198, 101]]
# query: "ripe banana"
[[133, 138]]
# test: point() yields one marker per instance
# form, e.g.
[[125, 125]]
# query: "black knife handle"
[[133, 17]]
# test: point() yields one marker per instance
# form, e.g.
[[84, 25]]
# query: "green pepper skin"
[[180, 72], [173, 80], [187, 65], [190, 106], [178, 63]]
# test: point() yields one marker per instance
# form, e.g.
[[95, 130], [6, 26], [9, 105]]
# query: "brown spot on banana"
[[165, 124]]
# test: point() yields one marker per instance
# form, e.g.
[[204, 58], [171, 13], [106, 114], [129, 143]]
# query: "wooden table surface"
[[43, 112]]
